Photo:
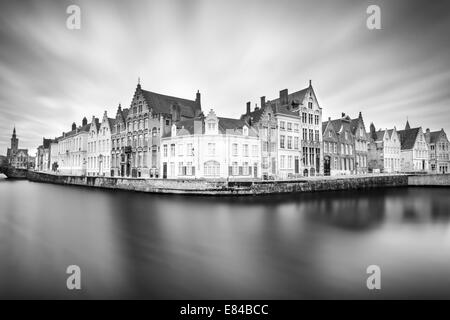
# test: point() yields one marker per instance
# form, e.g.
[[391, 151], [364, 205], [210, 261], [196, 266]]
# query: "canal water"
[[299, 246]]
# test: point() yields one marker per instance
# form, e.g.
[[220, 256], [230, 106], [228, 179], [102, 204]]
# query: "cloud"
[[232, 51]]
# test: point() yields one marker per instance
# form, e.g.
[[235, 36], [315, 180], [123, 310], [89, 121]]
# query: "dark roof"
[[111, 122], [296, 97], [434, 136], [187, 125], [161, 104], [85, 128], [324, 126], [228, 123], [408, 138]]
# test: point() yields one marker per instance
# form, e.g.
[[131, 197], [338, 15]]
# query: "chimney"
[[198, 98], [74, 126], [360, 115], [263, 102], [284, 97], [310, 83], [256, 107], [343, 115], [84, 122], [428, 130], [248, 107]]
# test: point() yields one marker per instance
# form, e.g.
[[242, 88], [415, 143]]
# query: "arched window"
[[154, 132], [305, 172], [212, 169]]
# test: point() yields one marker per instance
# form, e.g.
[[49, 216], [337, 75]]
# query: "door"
[[165, 170], [327, 166]]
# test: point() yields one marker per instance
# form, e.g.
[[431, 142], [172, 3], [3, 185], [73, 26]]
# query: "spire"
[[14, 130], [139, 84], [407, 127]]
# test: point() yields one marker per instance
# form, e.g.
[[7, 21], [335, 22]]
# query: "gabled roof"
[[408, 138], [434, 136], [162, 104]]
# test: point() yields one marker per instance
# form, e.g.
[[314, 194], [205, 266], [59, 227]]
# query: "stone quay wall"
[[207, 187]]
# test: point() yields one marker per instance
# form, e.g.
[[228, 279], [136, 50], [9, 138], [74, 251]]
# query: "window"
[[296, 143], [289, 142], [282, 138], [305, 134], [282, 159], [180, 149], [289, 126], [189, 149], [282, 125], [234, 149], [296, 127], [310, 105], [316, 120], [304, 117], [212, 169], [172, 150], [254, 150], [245, 150], [316, 135], [311, 134], [235, 169], [289, 162]]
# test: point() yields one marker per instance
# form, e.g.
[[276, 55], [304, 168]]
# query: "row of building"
[[166, 137]]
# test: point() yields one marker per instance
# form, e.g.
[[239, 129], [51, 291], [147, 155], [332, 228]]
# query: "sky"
[[233, 51]]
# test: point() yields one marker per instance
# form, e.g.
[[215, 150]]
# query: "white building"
[[72, 150], [211, 147], [384, 153], [414, 150], [99, 147]]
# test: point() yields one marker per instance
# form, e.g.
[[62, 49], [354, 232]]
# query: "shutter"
[[230, 170], [193, 171], [241, 171], [249, 171]]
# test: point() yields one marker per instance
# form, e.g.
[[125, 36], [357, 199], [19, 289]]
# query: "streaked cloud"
[[232, 51]]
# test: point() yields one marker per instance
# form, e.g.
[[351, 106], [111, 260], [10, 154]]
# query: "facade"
[[384, 151], [17, 158], [414, 150], [150, 116], [339, 146], [439, 154], [43, 161], [99, 147], [120, 162], [298, 141], [211, 148], [264, 122], [361, 144], [72, 150], [331, 154]]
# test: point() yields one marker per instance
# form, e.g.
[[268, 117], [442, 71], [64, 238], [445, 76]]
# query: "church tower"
[[14, 141]]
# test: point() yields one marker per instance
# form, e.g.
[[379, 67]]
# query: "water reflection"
[[132, 245]]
